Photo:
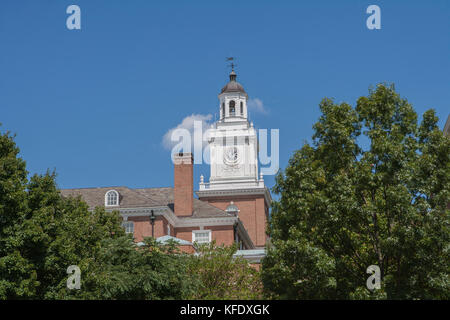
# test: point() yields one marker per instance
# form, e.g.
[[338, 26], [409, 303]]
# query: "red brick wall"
[[186, 248], [143, 227], [252, 214], [221, 234], [183, 185]]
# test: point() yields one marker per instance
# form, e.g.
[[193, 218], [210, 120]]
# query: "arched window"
[[242, 108], [128, 226], [232, 108], [112, 198], [223, 109]]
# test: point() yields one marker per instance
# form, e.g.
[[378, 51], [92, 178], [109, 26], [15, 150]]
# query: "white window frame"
[[194, 232], [127, 223], [106, 199]]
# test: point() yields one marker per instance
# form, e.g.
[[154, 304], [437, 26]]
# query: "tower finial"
[[232, 65]]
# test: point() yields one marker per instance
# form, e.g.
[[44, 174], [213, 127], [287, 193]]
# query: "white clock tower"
[[233, 142], [235, 184]]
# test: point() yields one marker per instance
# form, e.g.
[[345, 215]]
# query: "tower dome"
[[233, 85], [233, 100]]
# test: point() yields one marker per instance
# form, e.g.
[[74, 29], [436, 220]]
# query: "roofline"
[[250, 255], [243, 232]]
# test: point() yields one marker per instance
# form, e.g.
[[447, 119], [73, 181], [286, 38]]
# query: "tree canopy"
[[371, 189], [42, 234], [223, 276]]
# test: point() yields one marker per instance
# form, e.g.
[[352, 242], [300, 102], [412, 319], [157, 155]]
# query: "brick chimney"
[[183, 193]]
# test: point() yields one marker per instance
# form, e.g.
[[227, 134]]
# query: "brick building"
[[233, 207]]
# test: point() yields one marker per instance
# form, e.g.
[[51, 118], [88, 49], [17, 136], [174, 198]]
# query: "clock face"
[[231, 156]]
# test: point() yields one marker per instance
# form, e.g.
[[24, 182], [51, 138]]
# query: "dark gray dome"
[[233, 85]]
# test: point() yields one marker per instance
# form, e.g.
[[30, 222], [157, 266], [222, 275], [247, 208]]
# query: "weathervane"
[[232, 64]]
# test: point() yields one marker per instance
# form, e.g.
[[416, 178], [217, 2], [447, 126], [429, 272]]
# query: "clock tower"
[[235, 182]]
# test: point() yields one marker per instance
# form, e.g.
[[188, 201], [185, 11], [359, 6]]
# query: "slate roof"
[[233, 86], [164, 196], [144, 197]]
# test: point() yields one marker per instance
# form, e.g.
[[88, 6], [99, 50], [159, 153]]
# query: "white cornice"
[[197, 222], [236, 192]]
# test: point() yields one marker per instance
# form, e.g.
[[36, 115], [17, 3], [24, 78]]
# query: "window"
[[201, 236], [128, 226], [232, 208], [223, 109], [112, 198], [232, 107], [242, 108]]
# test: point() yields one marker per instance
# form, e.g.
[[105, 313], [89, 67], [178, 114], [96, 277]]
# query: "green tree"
[[152, 271], [16, 273], [372, 189], [223, 276], [42, 234]]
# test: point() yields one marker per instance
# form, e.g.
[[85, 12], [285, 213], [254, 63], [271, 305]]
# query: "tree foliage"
[[221, 275], [372, 189], [42, 234]]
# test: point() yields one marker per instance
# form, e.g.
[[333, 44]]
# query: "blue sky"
[[95, 103]]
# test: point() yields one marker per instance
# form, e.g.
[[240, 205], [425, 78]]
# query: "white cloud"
[[187, 124], [257, 105]]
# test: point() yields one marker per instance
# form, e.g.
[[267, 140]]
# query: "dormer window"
[[112, 198], [232, 108]]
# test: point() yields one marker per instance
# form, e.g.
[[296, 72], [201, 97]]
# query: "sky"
[[95, 104]]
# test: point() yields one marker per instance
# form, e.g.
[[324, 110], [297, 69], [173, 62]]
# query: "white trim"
[[205, 222], [106, 198]]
